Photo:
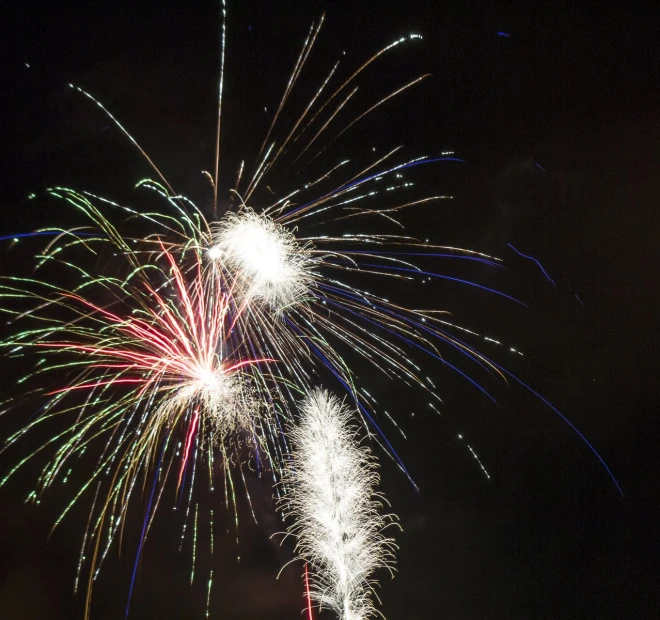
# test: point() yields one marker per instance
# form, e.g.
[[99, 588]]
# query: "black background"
[[574, 88]]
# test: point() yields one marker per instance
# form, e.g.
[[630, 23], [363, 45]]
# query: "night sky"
[[555, 109]]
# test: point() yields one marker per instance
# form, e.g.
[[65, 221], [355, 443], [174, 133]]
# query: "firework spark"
[[330, 481]]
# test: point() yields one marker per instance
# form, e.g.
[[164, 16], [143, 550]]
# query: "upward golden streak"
[[307, 47]]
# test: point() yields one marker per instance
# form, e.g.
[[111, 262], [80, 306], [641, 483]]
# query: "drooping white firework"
[[330, 483], [270, 265]]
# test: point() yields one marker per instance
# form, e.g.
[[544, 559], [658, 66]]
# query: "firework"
[[330, 482], [152, 368]]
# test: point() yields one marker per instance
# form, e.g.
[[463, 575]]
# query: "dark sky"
[[559, 126]]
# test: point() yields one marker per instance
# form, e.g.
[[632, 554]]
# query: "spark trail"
[[339, 529]]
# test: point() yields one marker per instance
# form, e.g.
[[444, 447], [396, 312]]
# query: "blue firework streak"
[[545, 273]]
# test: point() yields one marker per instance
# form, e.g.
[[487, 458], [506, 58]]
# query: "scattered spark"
[[476, 458]]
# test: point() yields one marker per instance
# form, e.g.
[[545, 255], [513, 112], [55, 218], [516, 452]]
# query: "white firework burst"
[[330, 481], [270, 265]]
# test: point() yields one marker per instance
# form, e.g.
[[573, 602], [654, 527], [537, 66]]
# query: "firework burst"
[[330, 482], [154, 371], [270, 264]]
